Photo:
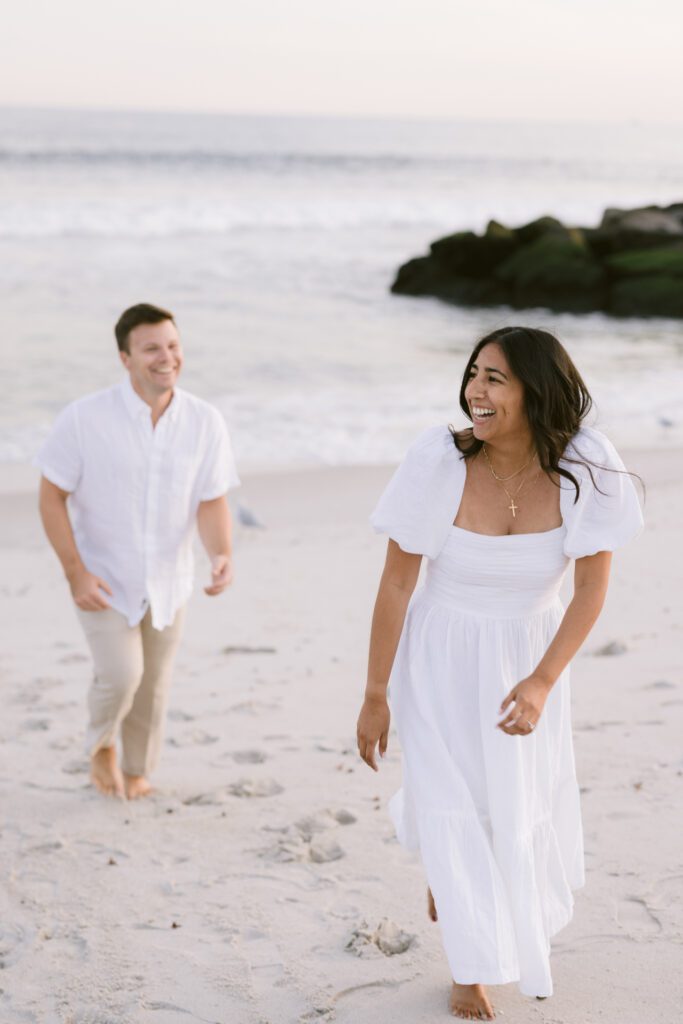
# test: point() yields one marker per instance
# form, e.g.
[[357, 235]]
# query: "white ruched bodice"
[[501, 577]]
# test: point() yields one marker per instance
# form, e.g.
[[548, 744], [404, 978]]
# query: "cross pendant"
[[513, 508]]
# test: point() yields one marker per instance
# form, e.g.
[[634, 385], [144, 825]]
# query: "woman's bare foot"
[[470, 1002], [137, 786], [431, 906], [105, 773]]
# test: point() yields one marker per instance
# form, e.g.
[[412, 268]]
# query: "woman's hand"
[[373, 726], [529, 698]]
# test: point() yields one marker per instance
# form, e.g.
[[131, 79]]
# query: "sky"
[[595, 60]]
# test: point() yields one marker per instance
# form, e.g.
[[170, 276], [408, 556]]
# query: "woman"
[[499, 510]]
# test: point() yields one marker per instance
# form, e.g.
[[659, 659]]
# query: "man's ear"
[[125, 358]]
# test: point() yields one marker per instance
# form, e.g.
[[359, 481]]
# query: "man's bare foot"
[[105, 773], [470, 1002], [431, 906], [137, 786]]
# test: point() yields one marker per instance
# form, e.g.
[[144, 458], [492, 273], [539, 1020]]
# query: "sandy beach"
[[232, 895]]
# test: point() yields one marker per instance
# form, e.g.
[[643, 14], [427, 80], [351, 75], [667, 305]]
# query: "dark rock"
[[646, 262], [605, 242], [648, 219], [557, 271], [647, 296], [631, 265], [538, 228], [470, 255]]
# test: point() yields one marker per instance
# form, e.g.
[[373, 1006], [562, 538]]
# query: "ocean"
[[274, 240]]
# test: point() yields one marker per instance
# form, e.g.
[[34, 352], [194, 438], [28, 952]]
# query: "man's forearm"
[[57, 526], [214, 523]]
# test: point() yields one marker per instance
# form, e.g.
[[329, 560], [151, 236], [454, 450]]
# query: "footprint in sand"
[[62, 743], [246, 649], [73, 659], [249, 756], [196, 738], [610, 650], [49, 847], [323, 850], [595, 726], [305, 841], [254, 707], [246, 788], [293, 847], [255, 787], [386, 938], [287, 849], [176, 715], [36, 724], [318, 1013], [635, 916], [312, 824], [666, 902], [14, 941], [343, 817]]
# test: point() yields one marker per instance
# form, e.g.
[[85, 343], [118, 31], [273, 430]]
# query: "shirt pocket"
[[183, 471]]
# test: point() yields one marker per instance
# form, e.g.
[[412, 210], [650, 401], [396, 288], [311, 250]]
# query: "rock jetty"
[[629, 266]]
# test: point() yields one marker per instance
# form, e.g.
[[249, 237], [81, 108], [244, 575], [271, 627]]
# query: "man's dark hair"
[[143, 313]]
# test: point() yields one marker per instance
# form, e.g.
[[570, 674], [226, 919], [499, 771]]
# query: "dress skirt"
[[496, 818]]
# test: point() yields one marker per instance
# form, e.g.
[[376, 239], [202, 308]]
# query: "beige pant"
[[129, 690]]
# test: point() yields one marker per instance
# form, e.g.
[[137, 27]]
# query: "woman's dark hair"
[[555, 396], [143, 313]]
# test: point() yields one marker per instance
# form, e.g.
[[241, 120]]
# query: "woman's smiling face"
[[495, 397]]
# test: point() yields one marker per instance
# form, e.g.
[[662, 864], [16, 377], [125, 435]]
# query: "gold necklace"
[[504, 479], [515, 508], [512, 507]]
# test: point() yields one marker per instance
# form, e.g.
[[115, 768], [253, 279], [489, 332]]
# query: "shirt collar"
[[136, 406]]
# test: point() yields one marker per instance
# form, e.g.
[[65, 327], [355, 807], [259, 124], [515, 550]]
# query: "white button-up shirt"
[[134, 491]]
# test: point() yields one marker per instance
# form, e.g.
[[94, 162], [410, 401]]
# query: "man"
[[126, 473]]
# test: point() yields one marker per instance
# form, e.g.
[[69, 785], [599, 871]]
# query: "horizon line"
[[629, 121]]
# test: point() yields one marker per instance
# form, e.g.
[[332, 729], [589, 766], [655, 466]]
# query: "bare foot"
[[431, 906], [105, 773], [470, 1002], [137, 786]]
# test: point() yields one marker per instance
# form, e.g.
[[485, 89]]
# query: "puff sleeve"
[[421, 500], [606, 516]]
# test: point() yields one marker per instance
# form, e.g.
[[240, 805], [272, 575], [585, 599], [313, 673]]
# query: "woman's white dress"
[[496, 818]]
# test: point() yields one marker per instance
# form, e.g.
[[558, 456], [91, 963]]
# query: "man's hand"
[[86, 591], [221, 575]]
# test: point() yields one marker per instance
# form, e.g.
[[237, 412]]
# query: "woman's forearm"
[[579, 618], [387, 622]]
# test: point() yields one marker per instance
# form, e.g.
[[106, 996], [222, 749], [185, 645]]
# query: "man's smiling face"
[[155, 358]]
